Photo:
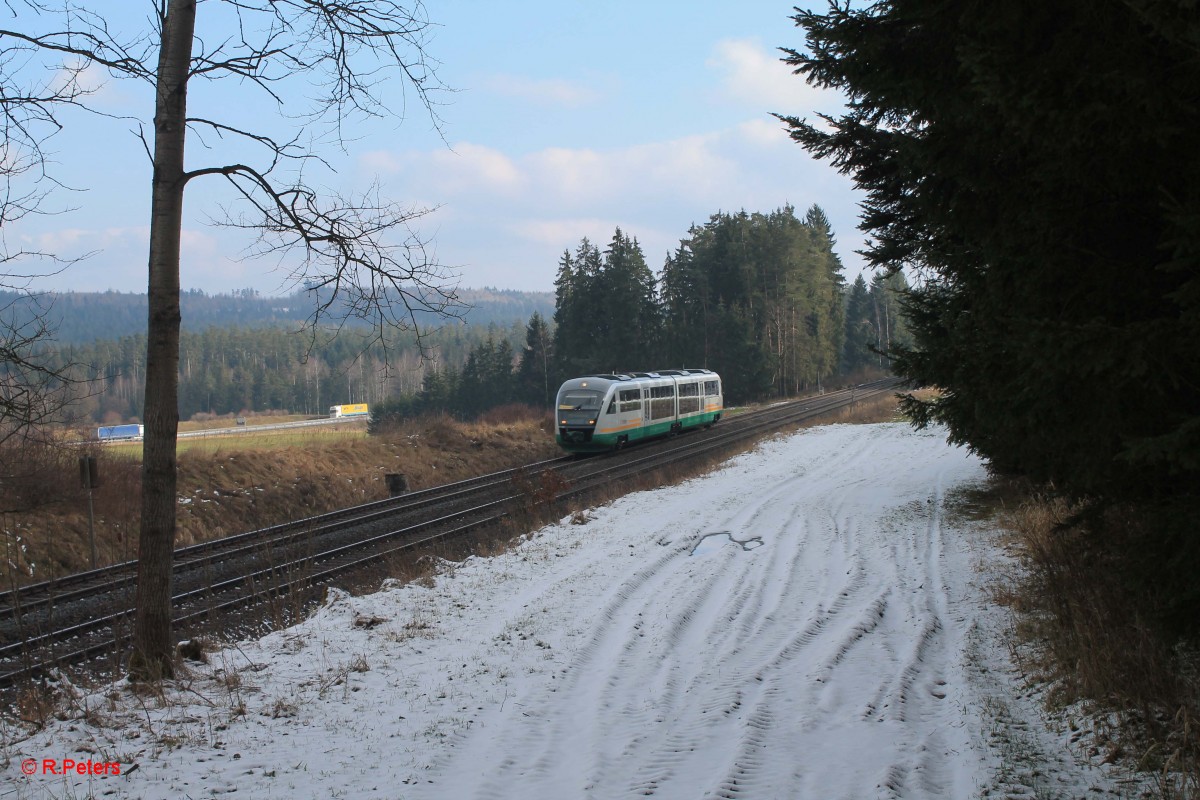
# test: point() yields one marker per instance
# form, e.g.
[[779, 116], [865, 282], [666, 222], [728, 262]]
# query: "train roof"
[[620, 377], [662, 373]]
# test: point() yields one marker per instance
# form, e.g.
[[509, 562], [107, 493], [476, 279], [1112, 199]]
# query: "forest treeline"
[[759, 297], [244, 352], [233, 370], [84, 317]]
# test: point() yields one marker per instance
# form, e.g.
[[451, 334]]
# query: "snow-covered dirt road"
[[775, 637], [808, 621]]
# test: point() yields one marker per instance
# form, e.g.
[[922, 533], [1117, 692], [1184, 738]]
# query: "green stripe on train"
[[607, 441]]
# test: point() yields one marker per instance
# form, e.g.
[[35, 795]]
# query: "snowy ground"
[[809, 621]]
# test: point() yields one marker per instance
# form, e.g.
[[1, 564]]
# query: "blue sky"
[[567, 120]]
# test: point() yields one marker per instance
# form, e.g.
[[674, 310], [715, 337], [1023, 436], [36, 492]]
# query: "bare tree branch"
[[359, 256], [86, 36], [350, 50], [33, 388], [277, 151], [33, 392]]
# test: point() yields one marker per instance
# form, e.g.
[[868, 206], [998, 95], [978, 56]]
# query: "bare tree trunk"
[[348, 245], [152, 651]]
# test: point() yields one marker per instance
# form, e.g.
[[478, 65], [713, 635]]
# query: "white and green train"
[[603, 412]]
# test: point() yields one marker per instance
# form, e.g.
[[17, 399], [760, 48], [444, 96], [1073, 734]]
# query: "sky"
[[564, 120]]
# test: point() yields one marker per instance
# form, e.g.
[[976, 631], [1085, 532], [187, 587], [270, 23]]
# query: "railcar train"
[[603, 412]]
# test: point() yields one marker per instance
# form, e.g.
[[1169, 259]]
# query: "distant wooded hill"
[[84, 317]]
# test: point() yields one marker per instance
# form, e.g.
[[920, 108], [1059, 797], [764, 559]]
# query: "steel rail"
[[83, 584]]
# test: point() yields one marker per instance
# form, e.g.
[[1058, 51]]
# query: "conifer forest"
[[761, 298]]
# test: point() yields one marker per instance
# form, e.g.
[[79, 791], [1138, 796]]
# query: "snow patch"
[[846, 648]]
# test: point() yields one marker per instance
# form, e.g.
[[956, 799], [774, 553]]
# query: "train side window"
[[689, 398], [662, 402], [710, 388], [631, 400], [612, 406]]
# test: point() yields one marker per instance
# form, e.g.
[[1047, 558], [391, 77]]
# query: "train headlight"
[[591, 422], [562, 422]]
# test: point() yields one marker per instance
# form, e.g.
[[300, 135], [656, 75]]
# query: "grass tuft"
[[1091, 630]]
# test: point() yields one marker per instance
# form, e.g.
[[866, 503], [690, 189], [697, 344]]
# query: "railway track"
[[85, 618], [41, 600]]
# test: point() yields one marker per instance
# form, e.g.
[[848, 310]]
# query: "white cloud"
[[197, 243], [465, 167], [483, 165], [116, 258], [755, 76], [102, 90], [580, 178], [547, 91], [581, 174], [508, 218], [92, 78], [765, 133], [564, 234], [73, 242]]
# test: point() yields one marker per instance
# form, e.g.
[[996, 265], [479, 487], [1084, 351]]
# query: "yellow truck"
[[348, 410]]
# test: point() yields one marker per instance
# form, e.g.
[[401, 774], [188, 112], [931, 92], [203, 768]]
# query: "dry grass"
[[884, 408], [881, 408], [232, 484], [233, 487], [1084, 629], [274, 440]]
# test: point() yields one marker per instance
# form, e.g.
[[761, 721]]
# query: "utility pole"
[[88, 475]]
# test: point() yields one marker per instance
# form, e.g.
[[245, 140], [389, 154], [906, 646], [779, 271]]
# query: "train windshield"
[[580, 400]]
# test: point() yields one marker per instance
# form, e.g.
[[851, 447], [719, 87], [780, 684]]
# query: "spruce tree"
[[860, 328], [1035, 164], [534, 376], [628, 340]]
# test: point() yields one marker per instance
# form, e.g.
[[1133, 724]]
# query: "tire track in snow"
[[915, 695], [539, 750], [741, 621], [913, 770], [699, 669]]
